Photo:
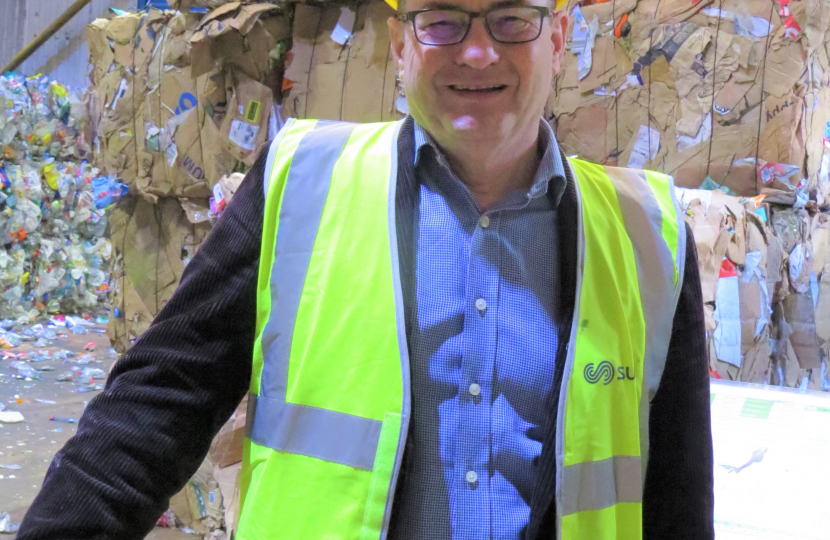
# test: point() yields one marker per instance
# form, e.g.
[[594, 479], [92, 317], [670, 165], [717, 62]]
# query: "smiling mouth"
[[477, 89]]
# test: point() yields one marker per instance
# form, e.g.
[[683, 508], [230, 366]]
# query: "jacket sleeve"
[[678, 499], [141, 439]]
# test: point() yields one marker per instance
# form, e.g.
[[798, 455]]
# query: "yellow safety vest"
[[330, 391]]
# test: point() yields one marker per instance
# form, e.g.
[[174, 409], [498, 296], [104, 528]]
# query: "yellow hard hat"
[[559, 4]]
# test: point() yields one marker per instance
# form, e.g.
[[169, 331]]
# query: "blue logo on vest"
[[605, 372]]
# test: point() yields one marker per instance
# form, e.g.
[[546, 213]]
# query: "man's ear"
[[559, 21], [396, 37]]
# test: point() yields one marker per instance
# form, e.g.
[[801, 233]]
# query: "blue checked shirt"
[[483, 344]]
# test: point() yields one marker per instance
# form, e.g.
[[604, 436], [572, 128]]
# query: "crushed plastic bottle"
[[6, 525], [79, 329], [84, 359], [90, 388], [24, 370], [90, 374]]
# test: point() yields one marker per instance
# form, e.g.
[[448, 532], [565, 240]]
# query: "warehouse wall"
[[65, 55]]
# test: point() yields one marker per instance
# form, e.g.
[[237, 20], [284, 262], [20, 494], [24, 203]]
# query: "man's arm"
[[140, 440], [678, 501]]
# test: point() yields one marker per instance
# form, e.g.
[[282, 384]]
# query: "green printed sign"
[[756, 408]]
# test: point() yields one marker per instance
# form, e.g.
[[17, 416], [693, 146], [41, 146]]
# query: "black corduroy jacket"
[[141, 439]]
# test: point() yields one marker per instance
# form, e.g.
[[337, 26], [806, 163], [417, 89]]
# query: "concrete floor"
[[33, 443]]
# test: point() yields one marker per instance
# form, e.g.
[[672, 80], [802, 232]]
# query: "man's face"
[[478, 89]]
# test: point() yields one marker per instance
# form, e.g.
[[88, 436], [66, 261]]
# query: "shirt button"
[[472, 477], [475, 389], [484, 222], [481, 304]]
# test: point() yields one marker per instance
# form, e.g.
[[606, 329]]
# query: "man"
[[455, 332]]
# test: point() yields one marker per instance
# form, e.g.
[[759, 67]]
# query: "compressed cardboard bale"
[[248, 37], [228, 478], [799, 314], [712, 239], [781, 140], [756, 366], [140, 81], [752, 308], [172, 101], [245, 126], [100, 52], [565, 97], [822, 310], [816, 120], [788, 227], [704, 74], [203, 156], [153, 243], [820, 239], [787, 372], [604, 65], [716, 158], [199, 505], [146, 130], [226, 448], [589, 131], [353, 80], [129, 316], [784, 66]]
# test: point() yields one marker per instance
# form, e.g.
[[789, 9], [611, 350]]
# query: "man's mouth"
[[477, 88]]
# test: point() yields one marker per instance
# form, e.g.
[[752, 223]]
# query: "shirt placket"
[[473, 453]]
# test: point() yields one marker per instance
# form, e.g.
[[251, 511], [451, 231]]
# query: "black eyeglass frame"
[[410, 16]]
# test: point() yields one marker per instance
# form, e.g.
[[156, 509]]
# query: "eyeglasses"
[[518, 24]]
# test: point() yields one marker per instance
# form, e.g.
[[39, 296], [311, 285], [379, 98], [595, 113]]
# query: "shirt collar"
[[549, 175]]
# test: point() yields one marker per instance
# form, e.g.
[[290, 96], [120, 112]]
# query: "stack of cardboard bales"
[[723, 89], [729, 94], [177, 103], [766, 288]]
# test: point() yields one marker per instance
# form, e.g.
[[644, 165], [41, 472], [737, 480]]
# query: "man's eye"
[[438, 24]]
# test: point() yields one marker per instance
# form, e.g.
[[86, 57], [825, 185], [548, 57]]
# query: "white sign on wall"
[[772, 462]]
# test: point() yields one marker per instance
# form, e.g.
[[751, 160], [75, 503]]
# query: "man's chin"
[[481, 122], [466, 122]]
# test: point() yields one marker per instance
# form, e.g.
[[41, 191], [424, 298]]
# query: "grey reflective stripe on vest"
[[327, 435], [655, 267], [594, 485], [288, 427]]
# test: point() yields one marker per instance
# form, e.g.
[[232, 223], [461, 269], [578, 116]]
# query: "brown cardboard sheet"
[[341, 82]]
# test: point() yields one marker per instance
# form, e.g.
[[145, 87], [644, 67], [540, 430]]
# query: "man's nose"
[[478, 49]]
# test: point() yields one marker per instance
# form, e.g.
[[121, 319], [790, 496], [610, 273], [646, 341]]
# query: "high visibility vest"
[[329, 405]]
